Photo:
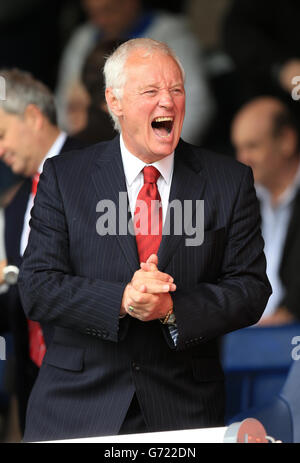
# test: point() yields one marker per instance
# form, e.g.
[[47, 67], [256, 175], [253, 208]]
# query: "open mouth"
[[163, 126]]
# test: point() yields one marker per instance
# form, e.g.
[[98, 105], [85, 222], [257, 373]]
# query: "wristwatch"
[[10, 274], [169, 319]]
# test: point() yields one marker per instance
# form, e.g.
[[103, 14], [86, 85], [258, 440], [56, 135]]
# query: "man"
[[266, 138], [28, 135], [123, 20], [137, 317]]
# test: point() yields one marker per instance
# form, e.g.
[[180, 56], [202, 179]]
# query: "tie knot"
[[151, 174]]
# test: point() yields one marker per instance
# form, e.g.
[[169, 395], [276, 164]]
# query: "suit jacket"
[[10, 301], [290, 262], [73, 279]]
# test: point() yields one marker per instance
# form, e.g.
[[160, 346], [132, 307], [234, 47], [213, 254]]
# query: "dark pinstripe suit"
[[74, 279]]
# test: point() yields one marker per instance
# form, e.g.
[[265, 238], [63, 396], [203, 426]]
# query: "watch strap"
[[165, 320]]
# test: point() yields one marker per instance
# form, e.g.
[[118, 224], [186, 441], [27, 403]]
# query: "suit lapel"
[[109, 181], [188, 183]]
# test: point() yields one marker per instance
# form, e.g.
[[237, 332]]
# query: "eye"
[[150, 92], [177, 91]]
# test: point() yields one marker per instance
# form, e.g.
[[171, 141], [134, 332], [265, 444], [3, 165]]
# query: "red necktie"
[[37, 346], [148, 215]]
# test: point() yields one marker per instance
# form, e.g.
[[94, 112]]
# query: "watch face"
[[11, 274]]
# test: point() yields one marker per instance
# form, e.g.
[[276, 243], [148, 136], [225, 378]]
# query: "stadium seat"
[[281, 415], [256, 363]]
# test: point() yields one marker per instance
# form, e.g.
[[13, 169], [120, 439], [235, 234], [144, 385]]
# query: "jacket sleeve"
[[290, 262], [238, 297], [50, 291]]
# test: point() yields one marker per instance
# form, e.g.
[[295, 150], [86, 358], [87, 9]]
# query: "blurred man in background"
[[97, 124], [28, 136], [266, 138]]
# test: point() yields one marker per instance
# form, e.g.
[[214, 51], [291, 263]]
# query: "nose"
[[166, 100]]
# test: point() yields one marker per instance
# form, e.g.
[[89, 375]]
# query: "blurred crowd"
[[241, 59]]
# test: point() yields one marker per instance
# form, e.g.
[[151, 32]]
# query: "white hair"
[[114, 68], [23, 89]]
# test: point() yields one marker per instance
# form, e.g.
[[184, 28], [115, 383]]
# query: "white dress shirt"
[[53, 151], [133, 167]]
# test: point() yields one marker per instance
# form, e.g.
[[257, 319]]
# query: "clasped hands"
[[148, 292]]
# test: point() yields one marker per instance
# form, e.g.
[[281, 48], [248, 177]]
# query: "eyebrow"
[[156, 85], [179, 84], [144, 87]]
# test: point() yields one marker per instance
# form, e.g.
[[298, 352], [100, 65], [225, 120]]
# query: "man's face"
[[152, 108], [258, 148], [16, 143]]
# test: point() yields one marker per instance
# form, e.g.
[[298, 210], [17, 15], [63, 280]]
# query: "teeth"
[[163, 119]]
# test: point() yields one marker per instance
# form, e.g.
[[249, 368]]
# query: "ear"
[[289, 142], [34, 117], [114, 104]]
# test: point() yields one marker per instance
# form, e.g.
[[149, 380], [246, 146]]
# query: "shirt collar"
[[133, 165], [286, 196], [54, 150], [289, 194]]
